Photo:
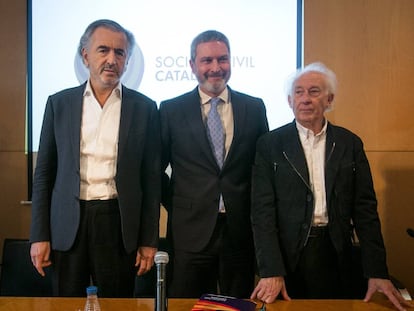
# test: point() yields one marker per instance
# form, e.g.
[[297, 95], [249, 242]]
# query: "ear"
[[85, 58], [192, 65], [290, 101], [331, 98]]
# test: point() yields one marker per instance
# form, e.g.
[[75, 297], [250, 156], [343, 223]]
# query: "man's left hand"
[[388, 289]]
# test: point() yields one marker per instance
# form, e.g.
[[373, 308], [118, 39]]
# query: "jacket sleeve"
[[151, 182], [366, 219], [44, 178], [263, 214]]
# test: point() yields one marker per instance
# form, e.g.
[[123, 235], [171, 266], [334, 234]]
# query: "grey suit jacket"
[[282, 208], [56, 185], [192, 194]]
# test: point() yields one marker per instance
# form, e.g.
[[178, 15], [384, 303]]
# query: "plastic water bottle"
[[92, 303]]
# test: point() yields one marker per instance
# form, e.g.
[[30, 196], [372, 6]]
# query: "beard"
[[216, 87], [213, 85]]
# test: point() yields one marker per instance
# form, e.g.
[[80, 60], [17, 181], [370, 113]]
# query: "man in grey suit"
[[96, 189], [312, 185], [208, 193]]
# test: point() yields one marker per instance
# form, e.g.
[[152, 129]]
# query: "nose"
[[215, 65], [305, 98], [111, 59]]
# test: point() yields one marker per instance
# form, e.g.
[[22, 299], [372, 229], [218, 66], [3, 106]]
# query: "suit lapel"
[[75, 119], [333, 156], [295, 155], [127, 107], [239, 114], [192, 113]]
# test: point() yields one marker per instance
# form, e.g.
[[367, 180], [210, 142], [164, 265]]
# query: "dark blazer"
[[56, 186], [192, 194], [282, 207]]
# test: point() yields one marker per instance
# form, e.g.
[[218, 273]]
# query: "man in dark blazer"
[[311, 186], [208, 201], [96, 189]]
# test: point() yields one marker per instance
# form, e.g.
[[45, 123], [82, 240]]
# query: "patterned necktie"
[[215, 131]]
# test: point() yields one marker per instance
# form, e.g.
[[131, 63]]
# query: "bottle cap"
[[91, 290]]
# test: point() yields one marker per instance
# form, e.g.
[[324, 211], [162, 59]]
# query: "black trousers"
[[320, 274], [221, 268], [97, 256]]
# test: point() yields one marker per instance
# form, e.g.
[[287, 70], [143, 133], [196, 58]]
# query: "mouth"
[[215, 76], [110, 71], [215, 79]]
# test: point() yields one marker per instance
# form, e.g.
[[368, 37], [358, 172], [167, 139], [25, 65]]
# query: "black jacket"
[[282, 201]]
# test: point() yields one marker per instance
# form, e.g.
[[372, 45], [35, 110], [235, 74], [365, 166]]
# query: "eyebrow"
[[311, 87], [109, 48]]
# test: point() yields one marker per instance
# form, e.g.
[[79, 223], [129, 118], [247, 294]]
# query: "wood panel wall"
[[14, 217], [368, 43]]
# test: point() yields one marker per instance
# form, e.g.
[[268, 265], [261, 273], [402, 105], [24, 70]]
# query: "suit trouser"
[[221, 267], [318, 274], [97, 256]]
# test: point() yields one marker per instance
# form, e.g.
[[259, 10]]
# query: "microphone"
[[161, 259], [410, 232]]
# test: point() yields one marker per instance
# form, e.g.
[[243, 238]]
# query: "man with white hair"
[[311, 187]]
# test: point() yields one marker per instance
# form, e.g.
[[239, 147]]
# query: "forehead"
[[106, 37], [212, 48], [310, 79]]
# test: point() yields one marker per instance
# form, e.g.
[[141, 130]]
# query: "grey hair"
[[330, 77], [208, 36], [108, 24]]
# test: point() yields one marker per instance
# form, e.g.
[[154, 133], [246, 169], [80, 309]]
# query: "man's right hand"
[[40, 255], [268, 289]]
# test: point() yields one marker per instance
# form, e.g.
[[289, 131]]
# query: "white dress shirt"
[[314, 147], [99, 145]]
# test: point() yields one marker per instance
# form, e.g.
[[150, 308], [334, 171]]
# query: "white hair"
[[330, 77]]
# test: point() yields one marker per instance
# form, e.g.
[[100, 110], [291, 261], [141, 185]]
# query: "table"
[[130, 304]]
